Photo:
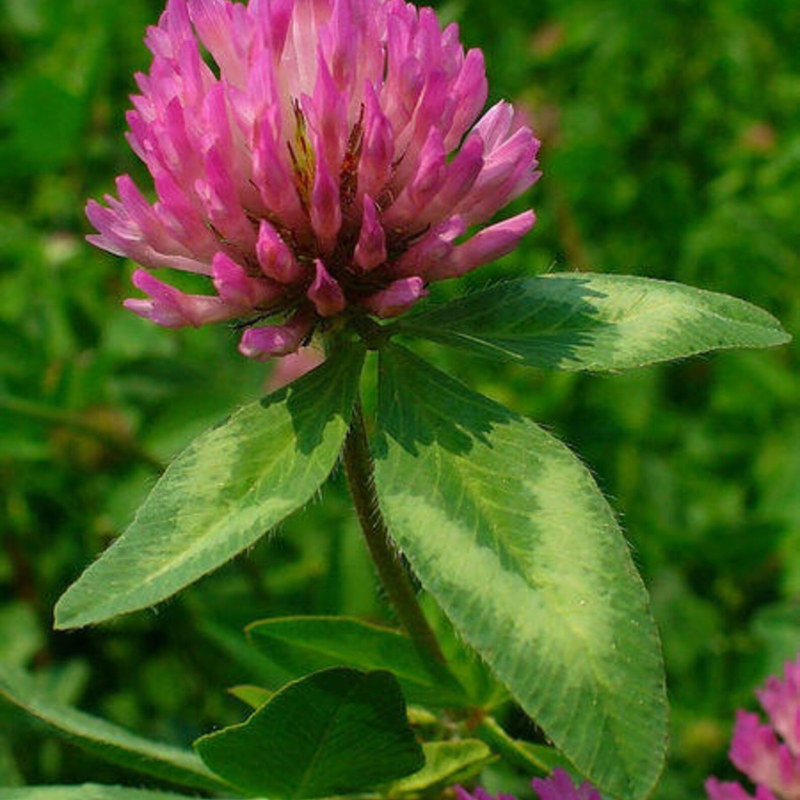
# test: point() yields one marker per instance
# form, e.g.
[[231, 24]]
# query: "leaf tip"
[[62, 615], [73, 611]]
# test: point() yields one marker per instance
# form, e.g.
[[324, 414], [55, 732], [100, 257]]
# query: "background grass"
[[671, 149]]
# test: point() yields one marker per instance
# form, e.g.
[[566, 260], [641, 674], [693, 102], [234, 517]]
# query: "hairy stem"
[[360, 478]]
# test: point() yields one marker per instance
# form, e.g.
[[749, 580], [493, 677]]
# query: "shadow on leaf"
[[317, 397], [431, 418]]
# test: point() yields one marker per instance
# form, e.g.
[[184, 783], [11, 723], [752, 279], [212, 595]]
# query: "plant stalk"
[[490, 732], [361, 480]]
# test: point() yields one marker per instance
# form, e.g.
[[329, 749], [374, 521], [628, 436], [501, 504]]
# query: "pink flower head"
[[293, 366], [558, 786], [769, 754], [327, 162], [479, 793]]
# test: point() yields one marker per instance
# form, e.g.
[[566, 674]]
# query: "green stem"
[[490, 731], [360, 478]]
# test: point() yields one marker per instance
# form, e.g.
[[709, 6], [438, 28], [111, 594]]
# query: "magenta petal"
[[730, 790], [559, 786], [281, 134], [430, 171], [371, 247], [471, 88], [220, 198], [485, 246], [237, 288], [103, 220], [273, 18], [433, 111], [275, 340], [293, 366], [190, 226], [325, 211], [423, 184], [754, 746], [495, 124], [432, 251], [461, 174], [230, 281], [396, 298], [213, 21], [272, 176], [377, 150], [274, 257], [508, 170], [328, 115], [131, 227], [757, 752], [780, 698], [172, 308], [325, 293], [479, 793], [164, 315], [725, 790], [462, 793]]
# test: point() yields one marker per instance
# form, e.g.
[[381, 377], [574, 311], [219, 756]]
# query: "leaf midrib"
[[200, 540], [324, 735], [475, 497]]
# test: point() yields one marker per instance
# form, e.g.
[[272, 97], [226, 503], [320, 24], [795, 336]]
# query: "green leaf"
[[531, 759], [236, 649], [306, 644], [20, 635], [445, 763], [335, 732], [509, 533], [86, 791], [579, 321], [253, 696], [222, 494], [9, 771], [544, 755], [103, 739], [480, 684]]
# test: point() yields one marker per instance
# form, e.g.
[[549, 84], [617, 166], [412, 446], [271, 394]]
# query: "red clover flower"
[[558, 786], [323, 161], [771, 764]]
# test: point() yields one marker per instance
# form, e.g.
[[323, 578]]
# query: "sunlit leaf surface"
[[508, 531], [222, 494], [595, 322]]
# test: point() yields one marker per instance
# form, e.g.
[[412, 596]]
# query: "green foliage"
[[87, 791], [253, 696], [507, 530], [335, 732], [670, 147], [594, 322], [300, 645], [445, 763], [105, 740], [222, 494], [531, 759]]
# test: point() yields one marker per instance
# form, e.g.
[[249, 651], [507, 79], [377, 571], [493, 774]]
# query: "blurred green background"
[[671, 149]]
